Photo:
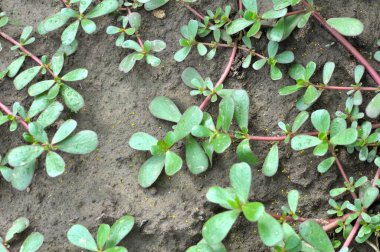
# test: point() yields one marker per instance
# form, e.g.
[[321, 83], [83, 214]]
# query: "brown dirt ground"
[[101, 187]]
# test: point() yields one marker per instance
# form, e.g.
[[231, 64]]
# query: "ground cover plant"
[[238, 26]]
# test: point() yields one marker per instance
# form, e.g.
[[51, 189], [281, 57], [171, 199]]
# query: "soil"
[[101, 187]]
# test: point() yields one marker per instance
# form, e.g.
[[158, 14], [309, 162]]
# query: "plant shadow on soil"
[[101, 187]]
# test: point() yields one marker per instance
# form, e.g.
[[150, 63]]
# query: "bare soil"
[[101, 187]]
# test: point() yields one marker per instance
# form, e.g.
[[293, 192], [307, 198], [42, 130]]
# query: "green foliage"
[[32, 242], [107, 238], [346, 26], [82, 17]]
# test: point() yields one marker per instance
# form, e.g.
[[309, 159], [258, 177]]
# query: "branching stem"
[[7, 111]]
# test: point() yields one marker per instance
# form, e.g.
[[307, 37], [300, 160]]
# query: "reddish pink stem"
[[31, 55], [196, 13], [343, 172], [278, 138], [375, 76], [296, 12], [7, 111], [348, 88], [222, 78]]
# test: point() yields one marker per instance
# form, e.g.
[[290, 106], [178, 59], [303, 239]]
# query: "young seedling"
[[273, 233], [107, 239], [23, 158], [82, 17], [31, 244]]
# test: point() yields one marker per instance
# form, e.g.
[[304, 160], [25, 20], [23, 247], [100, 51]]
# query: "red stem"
[[375, 76], [31, 55], [7, 111], [222, 78], [295, 12], [196, 13], [348, 88]]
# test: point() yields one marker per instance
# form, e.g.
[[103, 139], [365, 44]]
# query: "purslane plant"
[[141, 49], [31, 244], [82, 17], [18, 165], [274, 233], [107, 238]]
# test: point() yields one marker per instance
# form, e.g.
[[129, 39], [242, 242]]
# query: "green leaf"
[[79, 236], [69, 34], [202, 49], [181, 55], [250, 5], [73, 100], [254, 29], [18, 226], [240, 177], [321, 120], [310, 69], [277, 32], [188, 75], [25, 77], [359, 71], [311, 95], [50, 114], [297, 72], [302, 142], [289, 89], [225, 197], [241, 101], [221, 142], [218, 226], [32, 243], [273, 14], [103, 8], [88, 26], [373, 108], [275, 73], [325, 165], [163, 108], [128, 62], [15, 66], [150, 171], [22, 176], [245, 154], [52, 23], [253, 211], [83, 5], [270, 165], [196, 158], [64, 131], [293, 197], [238, 25], [119, 230], [345, 137], [270, 230], [301, 118], [226, 112], [337, 191], [83, 142], [154, 4], [192, 117], [142, 141], [328, 70], [76, 75], [321, 149], [314, 234], [24, 155], [285, 57], [370, 196], [38, 133], [173, 163], [116, 249], [346, 26], [259, 64], [57, 62], [55, 165], [40, 87], [103, 235]]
